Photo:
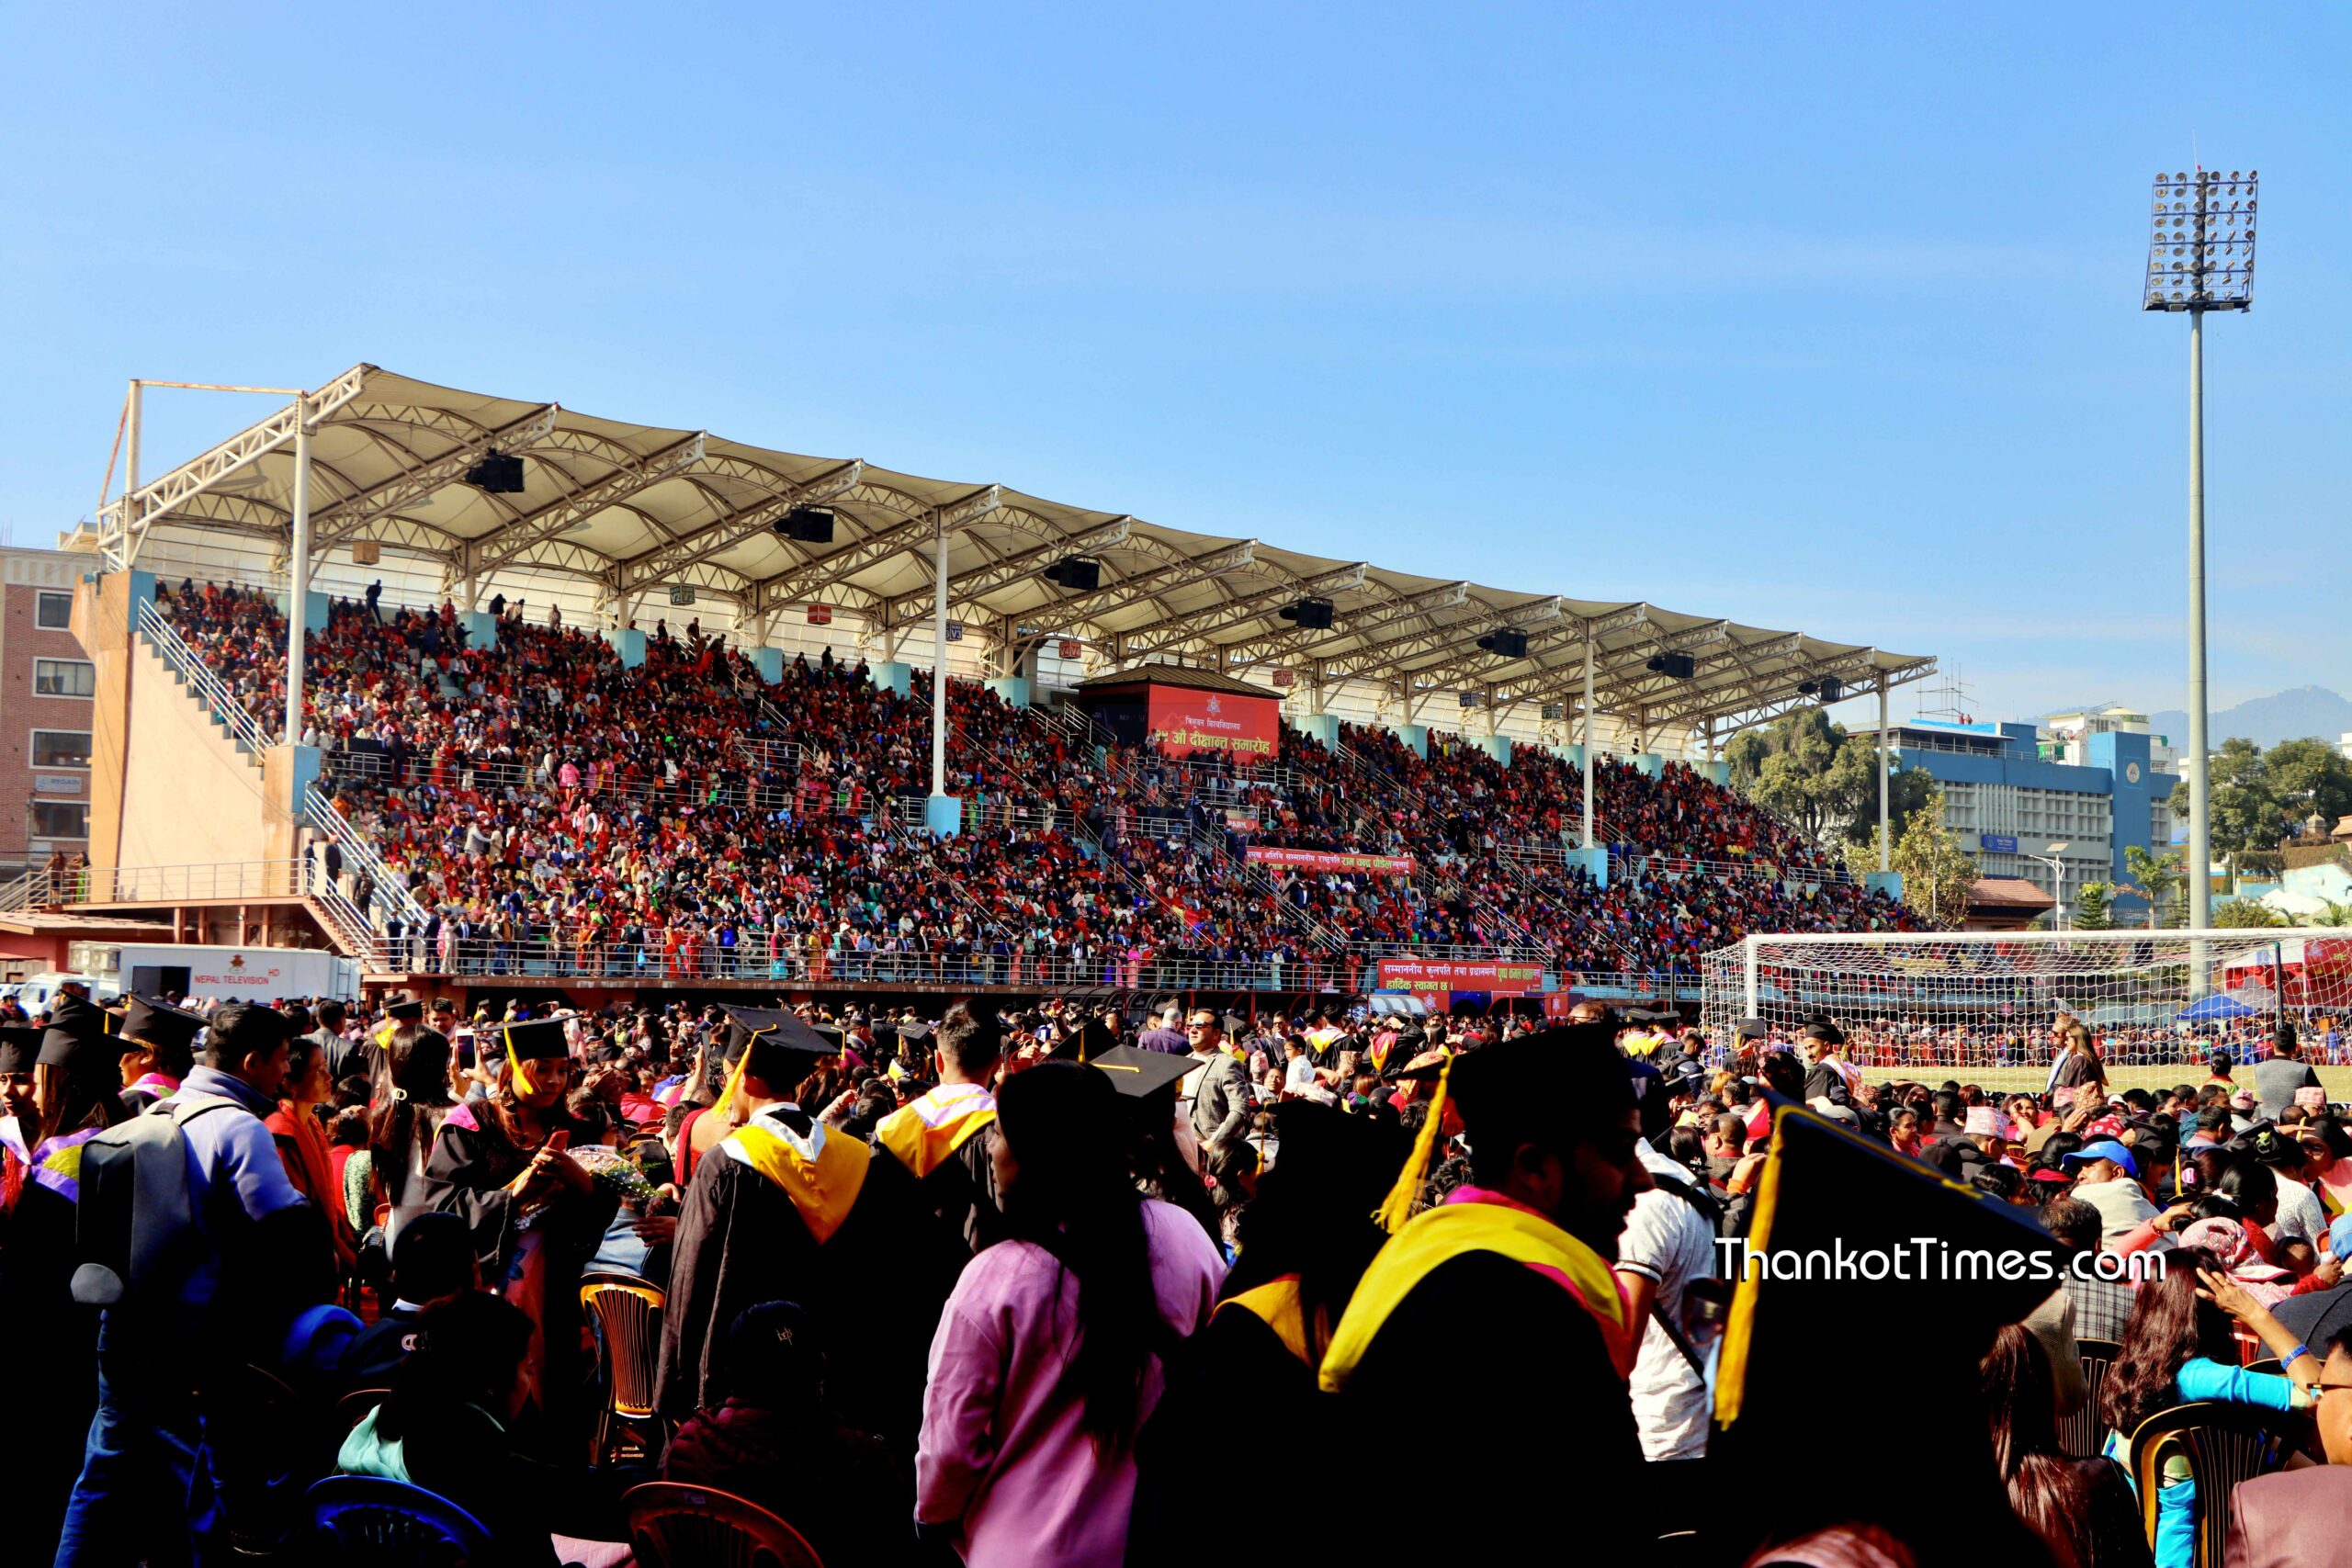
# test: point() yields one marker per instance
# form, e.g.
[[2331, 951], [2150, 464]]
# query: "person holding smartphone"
[[537, 1217]]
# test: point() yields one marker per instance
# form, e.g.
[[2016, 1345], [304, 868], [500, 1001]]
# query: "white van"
[[36, 993]]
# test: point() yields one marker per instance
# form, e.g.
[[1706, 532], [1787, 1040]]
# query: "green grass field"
[[2338, 1080]]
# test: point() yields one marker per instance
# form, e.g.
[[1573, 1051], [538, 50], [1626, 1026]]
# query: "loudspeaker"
[[1312, 614], [1081, 574], [806, 525], [1681, 666], [1507, 641], [497, 475]]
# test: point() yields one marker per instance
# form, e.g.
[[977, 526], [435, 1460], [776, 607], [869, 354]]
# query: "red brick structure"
[[45, 708]]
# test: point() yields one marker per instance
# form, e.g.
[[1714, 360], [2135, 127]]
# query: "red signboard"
[[820, 614], [1333, 860], [1443, 974], [1285, 677], [1240, 822], [1185, 723], [1072, 647]]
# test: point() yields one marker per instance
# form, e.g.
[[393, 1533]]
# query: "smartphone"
[[558, 1140]]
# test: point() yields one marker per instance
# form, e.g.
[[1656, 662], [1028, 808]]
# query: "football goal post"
[[1987, 999]]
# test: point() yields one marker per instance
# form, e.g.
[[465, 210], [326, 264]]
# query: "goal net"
[[1986, 1000]]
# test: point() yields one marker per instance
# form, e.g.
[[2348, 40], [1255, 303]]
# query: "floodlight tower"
[[2200, 259]]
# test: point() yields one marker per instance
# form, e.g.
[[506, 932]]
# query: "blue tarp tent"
[[2215, 1009]]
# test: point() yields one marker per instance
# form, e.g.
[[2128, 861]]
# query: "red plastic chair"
[[671, 1524]]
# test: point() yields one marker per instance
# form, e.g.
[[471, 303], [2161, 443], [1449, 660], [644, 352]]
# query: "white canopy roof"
[[637, 507]]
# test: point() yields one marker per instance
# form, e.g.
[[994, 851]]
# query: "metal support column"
[[299, 597], [1884, 830], [1588, 741], [939, 664], [2200, 820]]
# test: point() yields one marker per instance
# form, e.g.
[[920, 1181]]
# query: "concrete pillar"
[[1594, 861], [943, 815], [479, 626], [1572, 756], [1011, 689], [1887, 882], [1320, 726], [769, 662], [1416, 735], [314, 607], [1718, 771], [1649, 764], [892, 675], [1494, 745], [630, 644]]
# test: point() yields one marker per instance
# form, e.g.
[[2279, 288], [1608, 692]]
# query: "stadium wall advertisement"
[[1330, 859], [1186, 723], [1423, 974]]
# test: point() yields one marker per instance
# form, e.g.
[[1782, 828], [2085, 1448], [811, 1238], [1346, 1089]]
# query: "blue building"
[[2008, 802]]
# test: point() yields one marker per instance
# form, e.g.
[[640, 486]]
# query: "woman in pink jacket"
[[1046, 1360]]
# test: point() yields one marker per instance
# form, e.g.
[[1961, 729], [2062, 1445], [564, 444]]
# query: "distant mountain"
[[2266, 721]]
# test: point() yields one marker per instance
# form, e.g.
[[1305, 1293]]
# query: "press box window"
[[64, 678], [61, 748], [53, 612], [60, 820]]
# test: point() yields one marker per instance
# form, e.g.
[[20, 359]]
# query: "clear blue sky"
[[1814, 317]]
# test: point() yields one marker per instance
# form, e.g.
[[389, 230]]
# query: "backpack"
[[136, 1231]]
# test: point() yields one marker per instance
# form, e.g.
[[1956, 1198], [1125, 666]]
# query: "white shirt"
[[1667, 1240], [2300, 1217], [1298, 1077]]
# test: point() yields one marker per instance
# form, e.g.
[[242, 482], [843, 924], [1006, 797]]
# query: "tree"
[[1937, 872], [1807, 770], [2156, 878], [2092, 901], [2262, 796], [2243, 912]]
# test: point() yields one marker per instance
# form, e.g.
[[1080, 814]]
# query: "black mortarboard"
[[19, 1047], [536, 1040], [1136, 1072], [914, 1033], [1819, 1027], [1519, 1087], [407, 1008], [1418, 1070], [780, 1047], [1751, 1029], [152, 1024], [80, 1038], [1970, 1262]]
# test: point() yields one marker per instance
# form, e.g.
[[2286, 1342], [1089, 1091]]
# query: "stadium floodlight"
[[2200, 259], [2057, 883]]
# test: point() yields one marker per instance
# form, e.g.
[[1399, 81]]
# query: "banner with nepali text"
[[1331, 859], [1185, 723], [1421, 974]]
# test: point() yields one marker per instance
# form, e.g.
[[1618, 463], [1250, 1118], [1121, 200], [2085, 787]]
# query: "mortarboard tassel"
[[517, 1073], [1398, 1207]]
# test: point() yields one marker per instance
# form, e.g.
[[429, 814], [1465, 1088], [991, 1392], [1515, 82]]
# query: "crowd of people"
[[994, 1285], [552, 809]]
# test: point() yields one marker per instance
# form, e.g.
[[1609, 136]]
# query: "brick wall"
[[24, 576]]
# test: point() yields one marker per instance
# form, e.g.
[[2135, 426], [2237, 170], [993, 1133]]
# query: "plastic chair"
[[264, 1446], [2225, 1444], [626, 1311], [671, 1524], [2082, 1433], [368, 1522]]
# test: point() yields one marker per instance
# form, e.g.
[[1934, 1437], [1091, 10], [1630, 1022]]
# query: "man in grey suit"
[[1221, 1097]]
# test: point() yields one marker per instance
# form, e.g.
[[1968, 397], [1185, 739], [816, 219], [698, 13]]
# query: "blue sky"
[[1819, 317]]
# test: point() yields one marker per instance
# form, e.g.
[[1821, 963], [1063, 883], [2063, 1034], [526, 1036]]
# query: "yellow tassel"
[[1399, 1207], [734, 1077], [519, 1075]]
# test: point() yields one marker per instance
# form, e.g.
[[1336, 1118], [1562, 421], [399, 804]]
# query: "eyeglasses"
[[2320, 1388]]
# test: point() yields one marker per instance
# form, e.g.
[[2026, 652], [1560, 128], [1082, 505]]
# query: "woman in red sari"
[[303, 1148]]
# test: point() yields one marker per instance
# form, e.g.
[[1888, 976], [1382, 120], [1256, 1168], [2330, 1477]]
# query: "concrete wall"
[[189, 796]]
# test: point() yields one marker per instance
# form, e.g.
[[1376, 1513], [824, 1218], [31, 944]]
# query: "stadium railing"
[[190, 667]]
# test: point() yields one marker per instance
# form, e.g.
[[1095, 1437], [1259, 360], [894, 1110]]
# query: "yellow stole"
[[926, 1133], [1276, 1304], [1448, 1231], [823, 1188]]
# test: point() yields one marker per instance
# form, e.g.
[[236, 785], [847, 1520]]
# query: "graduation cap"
[[914, 1033], [408, 1009], [80, 1039], [532, 1041], [1427, 1067], [780, 1047], [1751, 1029], [1136, 1072], [19, 1047], [152, 1024], [1913, 1269]]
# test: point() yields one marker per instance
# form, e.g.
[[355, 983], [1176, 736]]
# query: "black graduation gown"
[[741, 1242], [1500, 1368], [466, 1175], [55, 1344]]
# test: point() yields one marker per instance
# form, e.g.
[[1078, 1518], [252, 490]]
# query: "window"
[[60, 820], [53, 612], [64, 678], [61, 748]]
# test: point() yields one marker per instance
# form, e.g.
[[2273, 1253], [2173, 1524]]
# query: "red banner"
[[1186, 722], [1332, 859], [1443, 974]]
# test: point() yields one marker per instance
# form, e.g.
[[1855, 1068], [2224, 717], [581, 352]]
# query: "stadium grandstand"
[[599, 705]]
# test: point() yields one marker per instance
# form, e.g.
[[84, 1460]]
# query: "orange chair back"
[[671, 1524], [628, 1312]]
